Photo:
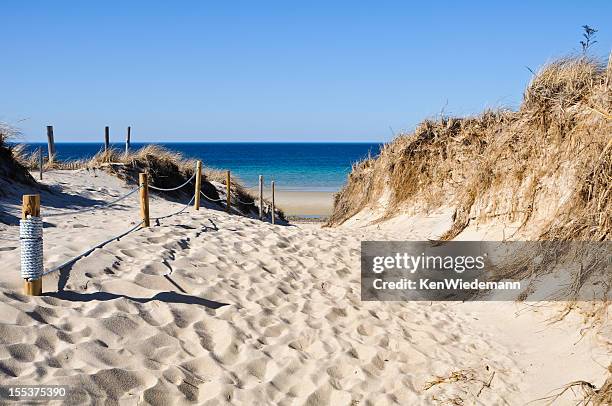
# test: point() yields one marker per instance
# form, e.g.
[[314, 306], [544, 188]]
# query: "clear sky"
[[273, 71]]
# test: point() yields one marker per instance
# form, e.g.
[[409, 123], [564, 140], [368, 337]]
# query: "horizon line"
[[206, 142]]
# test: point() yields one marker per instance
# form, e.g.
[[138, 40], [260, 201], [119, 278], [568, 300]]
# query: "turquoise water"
[[293, 166]]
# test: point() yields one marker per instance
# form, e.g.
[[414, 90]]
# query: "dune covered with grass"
[[546, 166], [542, 172], [165, 169]]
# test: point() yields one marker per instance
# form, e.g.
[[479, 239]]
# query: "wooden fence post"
[[144, 199], [273, 202], [106, 138], [127, 139], [198, 184], [40, 162], [50, 143], [228, 187], [31, 207], [260, 197]]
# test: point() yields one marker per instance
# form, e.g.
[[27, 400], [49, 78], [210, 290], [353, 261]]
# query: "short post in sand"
[[228, 190], [31, 208], [273, 202], [127, 140], [260, 197], [144, 199], [106, 138], [198, 185], [40, 162], [50, 143]]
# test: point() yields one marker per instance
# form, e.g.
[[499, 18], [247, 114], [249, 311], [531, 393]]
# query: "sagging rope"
[[210, 198], [222, 200], [89, 251], [96, 207], [245, 203], [100, 245], [174, 188], [30, 236], [175, 213], [31, 230]]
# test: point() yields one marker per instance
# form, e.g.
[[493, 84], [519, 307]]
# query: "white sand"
[[139, 320], [302, 203]]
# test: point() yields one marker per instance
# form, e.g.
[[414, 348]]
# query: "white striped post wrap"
[[31, 239]]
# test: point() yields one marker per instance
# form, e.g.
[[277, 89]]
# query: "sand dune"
[[209, 308]]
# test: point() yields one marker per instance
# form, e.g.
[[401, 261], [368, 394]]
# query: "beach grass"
[[504, 163], [165, 168]]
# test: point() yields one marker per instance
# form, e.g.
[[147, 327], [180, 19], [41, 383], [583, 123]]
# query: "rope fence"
[[31, 223], [174, 188], [90, 250], [245, 203], [210, 198], [177, 212], [93, 208]]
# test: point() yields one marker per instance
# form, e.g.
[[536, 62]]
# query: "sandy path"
[[302, 203], [209, 308]]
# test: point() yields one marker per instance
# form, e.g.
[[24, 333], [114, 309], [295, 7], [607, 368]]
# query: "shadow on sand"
[[52, 197], [167, 297]]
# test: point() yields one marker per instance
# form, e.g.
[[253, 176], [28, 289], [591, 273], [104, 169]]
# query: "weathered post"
[[228, 187], [127, 139], [50, 143], [31, 208], [273, 202], [198, 185], [144, 199], [260, 197], [106, 138], [40, 162]]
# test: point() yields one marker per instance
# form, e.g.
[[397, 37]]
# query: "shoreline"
[[302, 205]]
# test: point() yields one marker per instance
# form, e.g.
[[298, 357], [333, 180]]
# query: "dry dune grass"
[[546, 167], [11, 168], [589, 393], [504, 163], [165, 169]]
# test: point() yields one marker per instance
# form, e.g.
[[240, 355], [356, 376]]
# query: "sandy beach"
[[307, 204], [211, 308], [302, 203]]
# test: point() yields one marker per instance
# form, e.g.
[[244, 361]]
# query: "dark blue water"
[[293, 166]]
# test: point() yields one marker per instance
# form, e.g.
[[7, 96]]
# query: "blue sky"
[[273, 71]]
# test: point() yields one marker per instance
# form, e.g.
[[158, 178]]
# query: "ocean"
[[293, 166]]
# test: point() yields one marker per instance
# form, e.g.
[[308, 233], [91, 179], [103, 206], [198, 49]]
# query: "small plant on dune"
[[589, 38]]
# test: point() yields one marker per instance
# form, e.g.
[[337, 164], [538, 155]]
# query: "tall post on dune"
[[50, 143], [198, 185], [144, 199], [32, 260], [273, 222], [128, 139], [260, 197], [106, 138], [228, 190], [40, 162]]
